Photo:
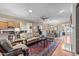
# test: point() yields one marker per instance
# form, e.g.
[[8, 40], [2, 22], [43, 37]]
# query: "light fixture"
[[30, 11], [49, 21], [17, 29], [61, 11], [51, 26], [53, 21], [1, 31]]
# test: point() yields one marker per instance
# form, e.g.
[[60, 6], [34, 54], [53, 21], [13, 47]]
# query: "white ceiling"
[[51, 10]]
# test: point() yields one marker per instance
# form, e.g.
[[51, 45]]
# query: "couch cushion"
[[23, 46], [14, 52], [6, 45]]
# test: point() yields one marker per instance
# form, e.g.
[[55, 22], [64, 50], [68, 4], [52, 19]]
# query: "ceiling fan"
[[44, 17]]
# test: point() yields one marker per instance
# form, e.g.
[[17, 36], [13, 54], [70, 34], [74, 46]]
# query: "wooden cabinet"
[[11, 24], [3, 25], [17, 24], [14, 24]]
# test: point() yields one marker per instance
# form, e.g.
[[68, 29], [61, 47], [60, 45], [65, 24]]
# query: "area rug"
[[41, 50]]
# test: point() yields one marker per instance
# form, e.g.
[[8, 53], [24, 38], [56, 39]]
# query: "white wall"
[[74, 28]]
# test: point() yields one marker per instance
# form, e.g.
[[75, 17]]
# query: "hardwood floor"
[[60, 52]]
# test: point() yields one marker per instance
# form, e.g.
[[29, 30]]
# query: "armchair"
[[9, 50]]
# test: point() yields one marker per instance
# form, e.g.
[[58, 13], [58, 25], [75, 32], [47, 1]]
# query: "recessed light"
[[61, 11], [30, 11], [51, 26]]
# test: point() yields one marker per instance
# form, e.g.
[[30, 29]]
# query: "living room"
[[35, 29]]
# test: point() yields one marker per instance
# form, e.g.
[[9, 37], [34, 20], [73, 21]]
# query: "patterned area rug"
[[38, 49]]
